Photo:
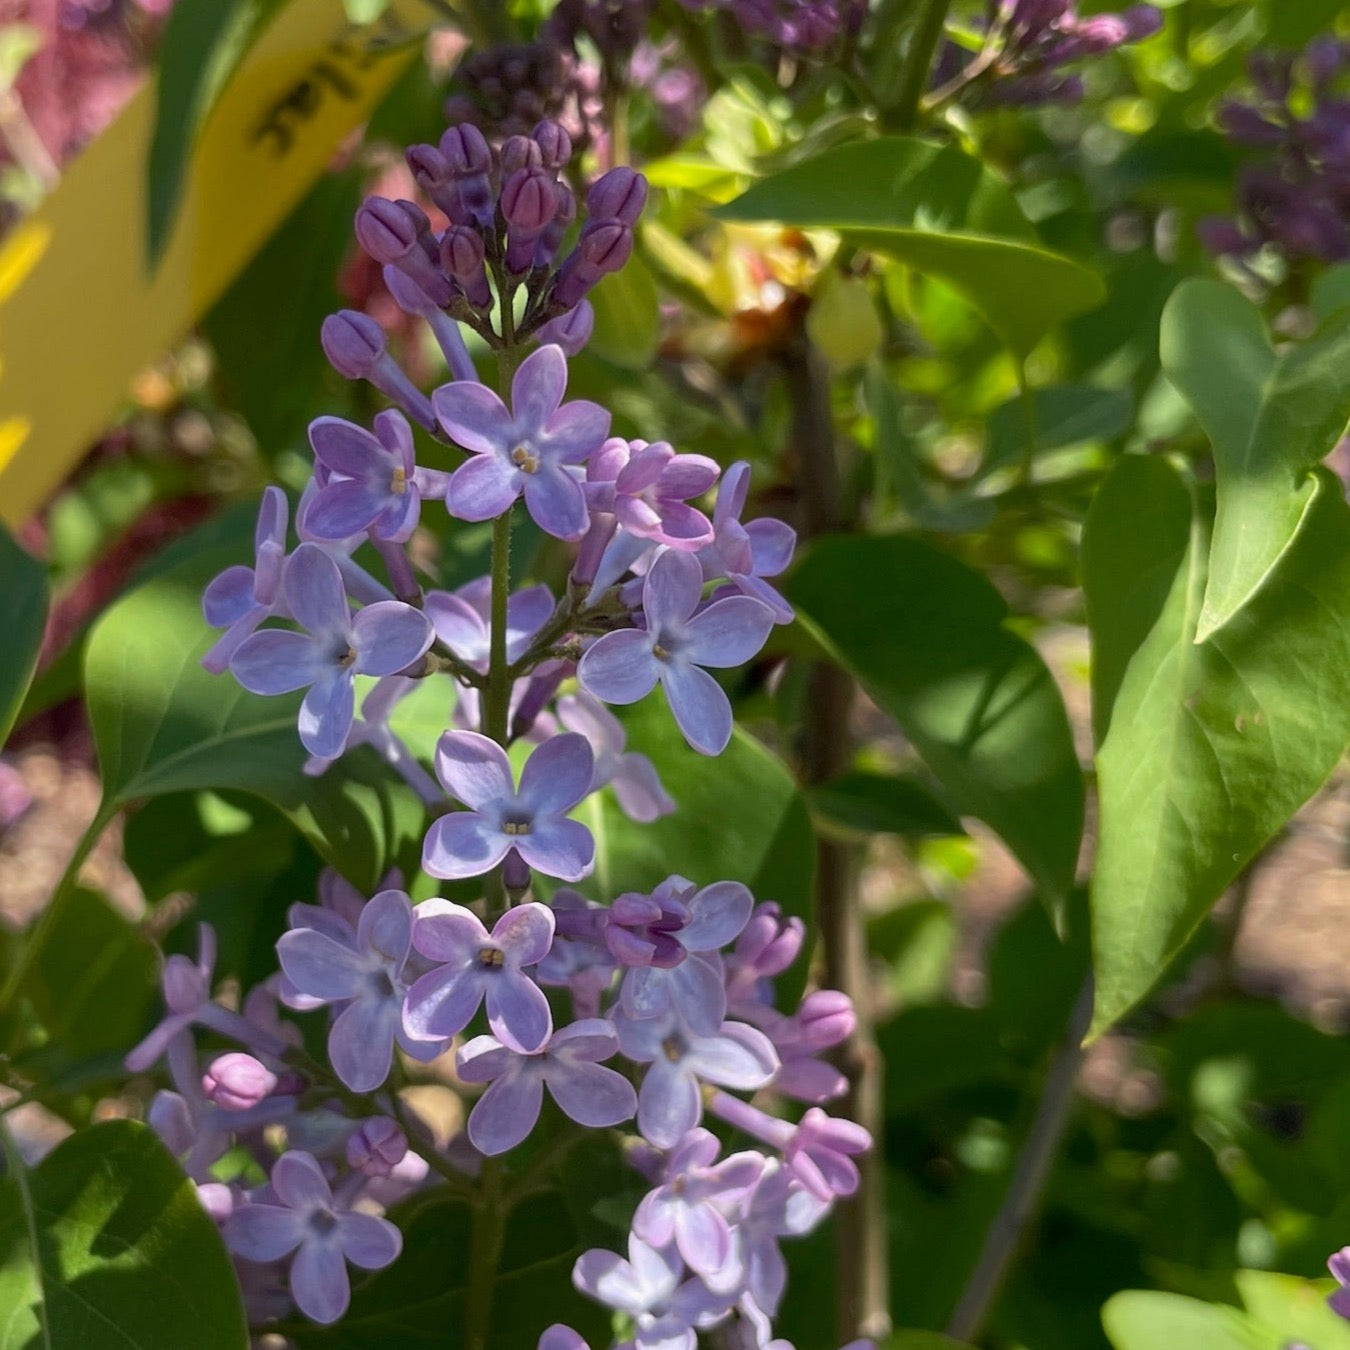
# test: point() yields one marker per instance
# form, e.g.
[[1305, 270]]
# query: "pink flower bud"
[[238, 1082], [826, 1019]]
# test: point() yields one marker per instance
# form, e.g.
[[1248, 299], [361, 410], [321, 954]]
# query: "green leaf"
[[202, 44], [1211, 747], [927, 638], [1141, 1320], [921, 1340], [163, 724], [23, 613], [875, 803], [747, 802], [105, 1244], [1271, 421], [1060, 416], [941, 212], [627, 317], [1295, 1310]]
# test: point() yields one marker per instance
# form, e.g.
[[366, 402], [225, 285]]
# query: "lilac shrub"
[[640, 1015]]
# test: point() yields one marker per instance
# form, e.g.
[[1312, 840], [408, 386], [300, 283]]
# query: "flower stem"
[[489, 1228], [918, 62]]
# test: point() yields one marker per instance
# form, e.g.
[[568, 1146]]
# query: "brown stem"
[[862, 1272], [1010, 1224]]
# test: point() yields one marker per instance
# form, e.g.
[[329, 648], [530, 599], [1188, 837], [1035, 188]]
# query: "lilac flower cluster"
[[802, 27], [1028, 44], [656, 1008], [1295, 193]]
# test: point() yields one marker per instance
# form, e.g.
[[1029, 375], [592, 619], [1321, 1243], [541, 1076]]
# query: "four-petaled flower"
[[380, 639], [323, 1235], [531, 822], [746, 554], [240, 598], [674, 647], [474, 966], [527, 448], [367, 976], [589, 1093]]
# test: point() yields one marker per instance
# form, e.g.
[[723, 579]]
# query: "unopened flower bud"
[[238, 1082], [770, 943], [529, 201], [619, 195], [826, 1018], [462, 256], [353, 343], [431, 172], [470, 159], [517, 153], [384, 230], [547, 244], [571, 331], [555, 145], [217, 1199], [377, 1147]]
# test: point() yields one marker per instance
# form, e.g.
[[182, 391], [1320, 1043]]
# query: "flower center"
[[322, 1222], [398, 484], [673, 1048], [515, 827], [524, 461], [346, 657], [491, 958]]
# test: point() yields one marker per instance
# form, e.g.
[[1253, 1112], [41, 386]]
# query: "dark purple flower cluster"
[[801, 27], [1295, 193], [613, 27], [678, 984], [1029, 44]]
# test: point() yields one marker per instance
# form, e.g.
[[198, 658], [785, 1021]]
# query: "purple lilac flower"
[[633, 776], [589, 1093], [376, 1147], [577, 961], [690, 1207], [650, 1287], [473, 966], [367, 978], [647, 488], [530, 824], [669, 1102], [323, 1237], [570, 331], [688, 979], [824, 1020], [779, 1206], [380, 639], [746, 554], [769, 944], [525, 449], [240, 598], [673, 648], [461, 619], [372, 482]]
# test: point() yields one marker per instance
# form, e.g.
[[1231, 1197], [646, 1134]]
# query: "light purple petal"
[[474, 769], [729, 632], [264, 1232], [772, 543], [319, 966], [319, 1282], [703, 1238], [315, 593], [685, 527], [447, 932], [299, 1181], [701, 708], [344, 508], [442, 1003], [228, 597], [575, 432], [348, 449], [672, 590], [637, 785], [759, 589], [483, 487], [688, 476], [361, 1042], [527, 611], [590, 718], [739, 1057], [620, 667], [556, 502], [668, 1103], [557, 847], [559, 1337], [590, 1039], [732, 493], [525, 934], [537, 388], [326, 715], [592, 1095], [473, 416], [457, 624], [557, 775], [389, 635], [610, 1280], [518, 1011], [483, 1059], [278, 661], [399, 514], [463, 844], [385, 926], [719, 914], [368, 1241], [506, 1113], [698, 990]]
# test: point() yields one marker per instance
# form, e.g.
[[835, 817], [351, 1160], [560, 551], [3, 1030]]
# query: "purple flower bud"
[[218, 1200], [384, 230], [1223, 237], [770, 942], [462, 256], [547, 245], [237, 1082], [517, 153], [431, 172], [826, 1018], [353, 343], [1243, 124], [377, 1147], [606, 247], [619, 196], [1091, 37], [1142, 21], [1325, 58], [571, 331], [470, 159], [555, 145], [529, 200]]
